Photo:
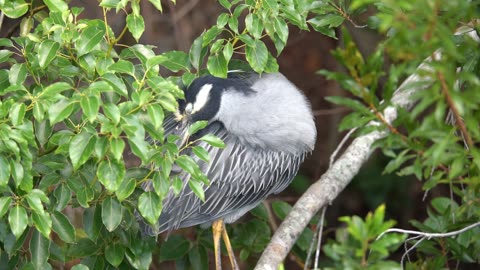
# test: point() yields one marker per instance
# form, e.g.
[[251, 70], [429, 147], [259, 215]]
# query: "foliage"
[[75, 102], [436, 142], [356, 246]]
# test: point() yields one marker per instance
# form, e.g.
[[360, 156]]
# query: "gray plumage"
[[267, 126]]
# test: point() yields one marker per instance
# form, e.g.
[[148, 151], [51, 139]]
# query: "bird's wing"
[[240, 177]]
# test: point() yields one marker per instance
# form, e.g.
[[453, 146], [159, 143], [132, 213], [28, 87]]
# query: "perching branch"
[[341, 172]]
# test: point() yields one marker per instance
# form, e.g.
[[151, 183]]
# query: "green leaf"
[[42, 222], [217, 65], [117, 84], [122, 66], [5, 55], [17, 113], [54, 89], [63, 196], [17, 219], [195, 127], [135, 25], [254, 25], [213, 140], [114, 253], [35, 198], [80, 267], [59, 111], [15, 9], [150, 206], [257, 55], [90, 106], [56, 5], [126, 189], [176, 61], [156, 115], [17, 74], [39, 250], [4, 171], [197, 52], [4, 205], [117, 145], [47, 51], [157, 4], [201, 153], [228, 51], [112, 112], [187, 164], [92, 222], [197, 188], [281, 209], [17, 172], [222, 20], [156, 60], [90, 37], [63, 227], [81, 148], [110, 173], [176, 246], [351, 103], [112, 213], [225, 3]]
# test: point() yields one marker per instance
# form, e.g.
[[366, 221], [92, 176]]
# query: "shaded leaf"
[[150, 206], [62, 226], [111, 213], [39, 250]]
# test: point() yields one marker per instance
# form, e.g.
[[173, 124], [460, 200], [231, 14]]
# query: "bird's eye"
[[189, 108]]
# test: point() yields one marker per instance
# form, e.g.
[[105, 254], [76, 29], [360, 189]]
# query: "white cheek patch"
[[202, 97]]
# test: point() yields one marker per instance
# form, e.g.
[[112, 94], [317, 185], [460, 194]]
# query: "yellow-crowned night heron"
[[268, 128]]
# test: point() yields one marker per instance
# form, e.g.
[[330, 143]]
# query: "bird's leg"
[[217, 228], [231, 254]]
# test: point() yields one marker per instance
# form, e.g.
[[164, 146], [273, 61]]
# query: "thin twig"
[[320, 233], [340, 146], [430, 235]]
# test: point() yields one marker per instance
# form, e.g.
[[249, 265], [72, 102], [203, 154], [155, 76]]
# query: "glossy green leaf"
[[43, 222], [56, 5], [156, 60], [17, 74], [197, 52], [156, 115], [35, 198], [135, 25], [80, 267], [26, 26], [90, 106], [222, 20], [201, 153], [257, 55], [63, 195], [4, 205], [126, 188], [117, 145], [54, 89], [90, 37], [213, 140], [110, 173], [195, 127], [122, 66], [92, 222], [17, 172], [186, 163], [176, 61], [117, 84], [197, 188], [15, 9], [225, 3], [114, 253], [112, 213], [17, 219], [59, 111], [228, 51], [47, 51], [62, 226], [17, 113], [150, 206], [217, 65], [111, 111], [5, 55], [254, 25], [4, 171], [81, 148], [39, 250]]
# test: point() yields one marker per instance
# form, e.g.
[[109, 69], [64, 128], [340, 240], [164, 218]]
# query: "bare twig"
[[320, 232]]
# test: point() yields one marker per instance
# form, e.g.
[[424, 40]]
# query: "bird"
[[268, 129]]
